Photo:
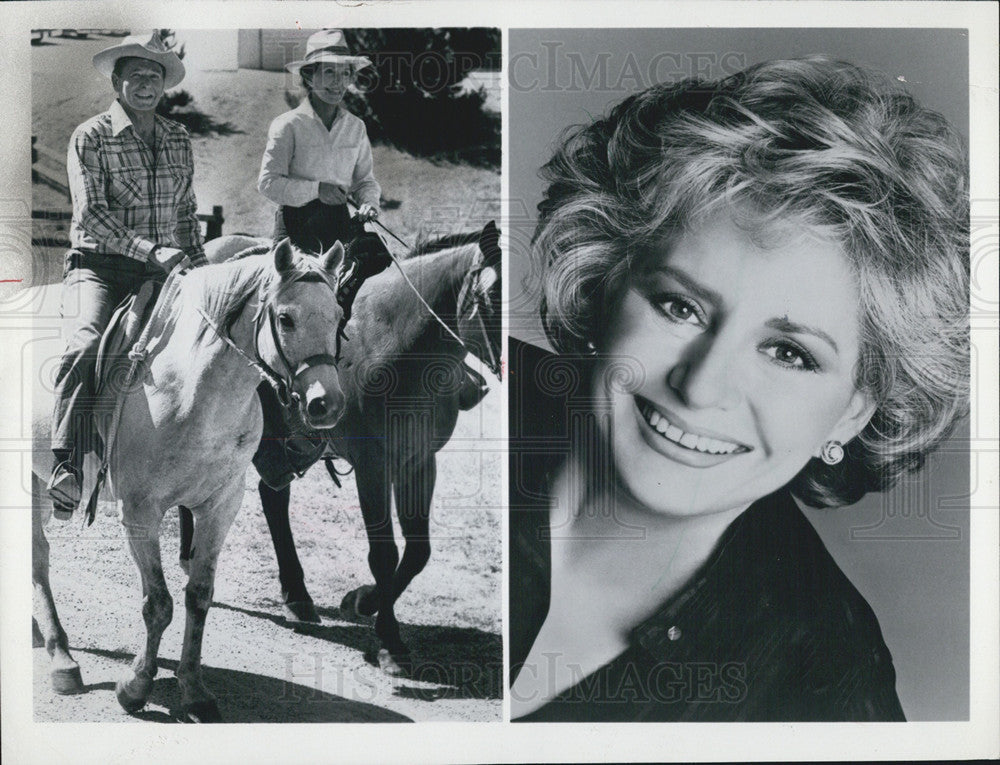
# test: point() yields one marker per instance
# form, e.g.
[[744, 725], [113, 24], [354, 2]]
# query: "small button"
[[674, 633]]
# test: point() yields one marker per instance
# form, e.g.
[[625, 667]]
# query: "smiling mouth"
[[676, 435]]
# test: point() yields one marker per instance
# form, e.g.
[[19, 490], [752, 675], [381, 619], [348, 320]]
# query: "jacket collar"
[[749, 572], [120, 120], [306, 108]]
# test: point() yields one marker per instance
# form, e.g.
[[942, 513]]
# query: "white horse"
[[189, 427]]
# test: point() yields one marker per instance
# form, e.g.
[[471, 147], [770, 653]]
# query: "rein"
[[493, 363]]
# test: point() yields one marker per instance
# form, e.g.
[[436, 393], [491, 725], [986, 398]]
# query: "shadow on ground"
[[460, 662], [198, 123], [244, 697]]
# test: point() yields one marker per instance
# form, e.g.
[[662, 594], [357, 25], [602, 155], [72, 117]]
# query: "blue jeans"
[[93, 286]]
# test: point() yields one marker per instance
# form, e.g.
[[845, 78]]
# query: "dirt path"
[[261, 670]]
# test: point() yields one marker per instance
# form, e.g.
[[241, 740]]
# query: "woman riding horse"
[[318, 155]]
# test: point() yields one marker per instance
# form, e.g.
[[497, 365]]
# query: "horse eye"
[[286, 321]]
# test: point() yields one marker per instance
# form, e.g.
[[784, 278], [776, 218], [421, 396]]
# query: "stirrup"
[[65, 489]]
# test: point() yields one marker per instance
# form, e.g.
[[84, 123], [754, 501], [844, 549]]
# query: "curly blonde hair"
[[822, 143]]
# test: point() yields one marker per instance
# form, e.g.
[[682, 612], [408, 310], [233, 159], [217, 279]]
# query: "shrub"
[[412, 99]]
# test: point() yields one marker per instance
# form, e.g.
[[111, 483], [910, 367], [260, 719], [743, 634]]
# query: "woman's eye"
[[679, 310], [791, 356], [286, 321]]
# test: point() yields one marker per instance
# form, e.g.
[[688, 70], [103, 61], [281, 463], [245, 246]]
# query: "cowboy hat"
[[147, 46], [328, 45]]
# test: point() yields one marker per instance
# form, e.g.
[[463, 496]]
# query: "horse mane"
[[446, 242], [227, 287], [438, 274]]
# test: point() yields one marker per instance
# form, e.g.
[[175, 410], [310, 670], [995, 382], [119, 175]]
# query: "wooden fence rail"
[[213, 225]]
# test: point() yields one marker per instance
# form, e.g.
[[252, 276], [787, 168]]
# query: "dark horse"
[[402, 373]]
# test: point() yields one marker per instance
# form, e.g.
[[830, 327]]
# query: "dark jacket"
[[768, 629]]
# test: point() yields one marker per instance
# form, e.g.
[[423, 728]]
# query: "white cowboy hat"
[[328, 45], [148, 46]]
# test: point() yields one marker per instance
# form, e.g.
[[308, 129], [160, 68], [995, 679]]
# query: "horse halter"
[[282, 384]]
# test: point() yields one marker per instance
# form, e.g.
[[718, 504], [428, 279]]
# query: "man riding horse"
[[134, 218]]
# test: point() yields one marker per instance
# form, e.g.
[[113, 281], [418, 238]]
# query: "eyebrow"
[[783, 324], [699, 290]]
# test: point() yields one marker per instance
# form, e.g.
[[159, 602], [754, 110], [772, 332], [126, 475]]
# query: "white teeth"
[[688, 440]]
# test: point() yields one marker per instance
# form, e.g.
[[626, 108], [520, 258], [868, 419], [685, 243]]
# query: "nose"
[[707, 375], [323, 407], [317, 407]]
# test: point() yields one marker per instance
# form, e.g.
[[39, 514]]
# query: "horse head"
[[479, 301], [296, 332]]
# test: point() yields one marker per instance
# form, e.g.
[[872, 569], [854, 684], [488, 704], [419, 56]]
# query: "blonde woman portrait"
[[755, 289]]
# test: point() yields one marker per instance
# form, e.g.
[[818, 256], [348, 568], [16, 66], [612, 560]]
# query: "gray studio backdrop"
[[907, 551]]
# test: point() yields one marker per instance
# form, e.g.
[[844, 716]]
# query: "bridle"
[[480, 300], [282, 383]]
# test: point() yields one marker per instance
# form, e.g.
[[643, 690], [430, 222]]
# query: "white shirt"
[[301, 152]]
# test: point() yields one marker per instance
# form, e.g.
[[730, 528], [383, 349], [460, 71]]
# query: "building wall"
[[209, 49], [271, 49]]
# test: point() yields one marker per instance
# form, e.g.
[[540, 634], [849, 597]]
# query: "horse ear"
[[333, 258], [283, 255], [489, 244]]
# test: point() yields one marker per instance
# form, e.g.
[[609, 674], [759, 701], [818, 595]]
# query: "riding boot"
[[65, 486], [271, 460], [473, 390], [366, 256], [286, 451]]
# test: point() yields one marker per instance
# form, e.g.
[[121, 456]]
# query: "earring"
[[591, 349], [832, 452]]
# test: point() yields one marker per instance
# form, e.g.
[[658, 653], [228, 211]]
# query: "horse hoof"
[[130, 703], [300, 612], [201, 712], [350, 606], [394, 666], [67, 680]]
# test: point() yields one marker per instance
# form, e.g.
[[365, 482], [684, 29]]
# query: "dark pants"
[[93, 286], [315, 227]]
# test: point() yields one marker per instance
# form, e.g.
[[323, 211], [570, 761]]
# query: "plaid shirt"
[[128, 198]]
